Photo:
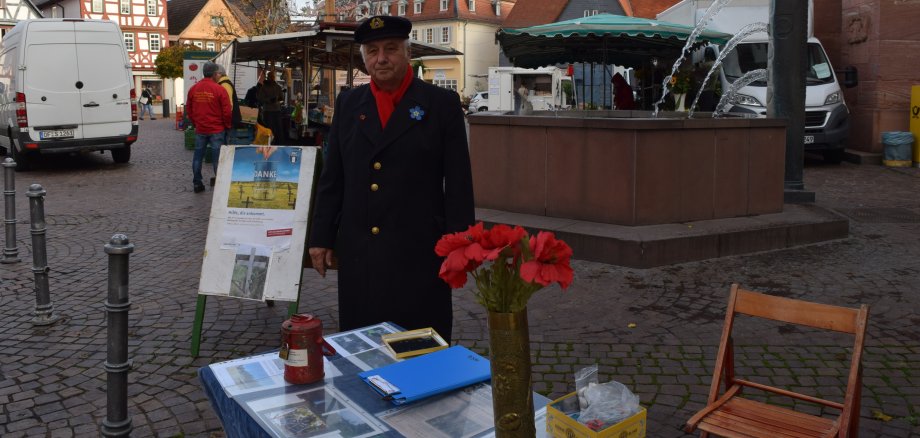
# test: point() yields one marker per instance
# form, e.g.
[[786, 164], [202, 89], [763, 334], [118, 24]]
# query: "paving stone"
[[667, 358]]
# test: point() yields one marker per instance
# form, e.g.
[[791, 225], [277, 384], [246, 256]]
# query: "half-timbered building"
[[11, 11]]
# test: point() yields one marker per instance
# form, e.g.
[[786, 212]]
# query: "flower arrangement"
[[507, 264], [681, 81]]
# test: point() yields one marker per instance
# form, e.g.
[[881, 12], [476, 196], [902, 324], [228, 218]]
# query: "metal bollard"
[[117, 423], [44, 309], [10, 250]]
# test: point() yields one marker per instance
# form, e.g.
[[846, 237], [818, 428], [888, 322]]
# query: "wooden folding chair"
[[729, 415]]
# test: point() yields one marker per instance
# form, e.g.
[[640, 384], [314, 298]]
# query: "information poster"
[[258, 224], [192, 69]]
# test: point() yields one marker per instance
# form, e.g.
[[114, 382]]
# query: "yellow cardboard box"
[[560, 425]]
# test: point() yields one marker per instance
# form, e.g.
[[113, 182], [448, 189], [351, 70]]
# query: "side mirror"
[[850, 76]]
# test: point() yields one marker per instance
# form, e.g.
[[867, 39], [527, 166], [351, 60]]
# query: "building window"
[[401, 9], [415, 34], [152, 8], [154, 42], [198, 44], [223, 46], [471, 4], [217, 21], [446, 83], [125, 7], [97, 5], [429, 36], [444, 5], [210, 45], [129, 41], [498, 8], [445, 35], [417, 7]]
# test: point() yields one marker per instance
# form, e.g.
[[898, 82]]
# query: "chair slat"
[[753, 428], [762, 411], [791, 394], [821, 316]]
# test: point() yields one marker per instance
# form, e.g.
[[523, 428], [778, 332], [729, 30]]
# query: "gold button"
[[377, 165], [375, 230], [374, 187]]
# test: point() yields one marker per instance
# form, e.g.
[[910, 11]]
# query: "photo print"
[[265, 177], [249, 271]]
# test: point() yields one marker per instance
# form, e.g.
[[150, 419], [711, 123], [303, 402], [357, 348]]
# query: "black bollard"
[[44, 309], [117, 423], [10, 249]]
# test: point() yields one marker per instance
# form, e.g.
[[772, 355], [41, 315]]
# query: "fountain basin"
[[627, 168]]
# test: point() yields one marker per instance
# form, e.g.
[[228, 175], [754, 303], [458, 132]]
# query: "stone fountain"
[[644, 188]]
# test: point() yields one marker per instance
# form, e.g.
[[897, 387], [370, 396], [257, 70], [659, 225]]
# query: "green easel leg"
[[292, 309], [196, 328]]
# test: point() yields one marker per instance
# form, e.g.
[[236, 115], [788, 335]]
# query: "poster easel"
[[258, 227]]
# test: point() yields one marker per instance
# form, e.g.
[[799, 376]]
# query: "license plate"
[[809, 139], [57, 133]]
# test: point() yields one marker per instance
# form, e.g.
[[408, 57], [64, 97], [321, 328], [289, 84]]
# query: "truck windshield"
[[752, 56]]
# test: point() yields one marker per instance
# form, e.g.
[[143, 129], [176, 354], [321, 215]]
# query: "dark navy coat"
[[385, 197]]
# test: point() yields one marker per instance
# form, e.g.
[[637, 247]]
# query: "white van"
[[65, 86], [827, 118]]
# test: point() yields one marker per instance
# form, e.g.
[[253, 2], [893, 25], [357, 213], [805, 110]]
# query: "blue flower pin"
[[416, 113]]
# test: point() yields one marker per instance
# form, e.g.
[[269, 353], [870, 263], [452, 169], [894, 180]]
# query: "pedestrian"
[[145, 104], [236, 118], [208, 107], [270, 95], [395, 179], [622, 93]]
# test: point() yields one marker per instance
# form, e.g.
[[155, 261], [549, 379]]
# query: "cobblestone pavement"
[[52, 380]]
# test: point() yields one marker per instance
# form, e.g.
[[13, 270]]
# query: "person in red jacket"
[[208, 107]]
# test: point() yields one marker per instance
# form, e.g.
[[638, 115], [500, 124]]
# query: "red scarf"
[[387, 100]]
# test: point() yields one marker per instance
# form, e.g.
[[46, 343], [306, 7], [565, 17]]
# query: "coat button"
[[374, 187], [377, 165], [375, 230]]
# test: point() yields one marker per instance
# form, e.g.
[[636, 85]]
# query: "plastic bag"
[[608, 403], [584, 377]]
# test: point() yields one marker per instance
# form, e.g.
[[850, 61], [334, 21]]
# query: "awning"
[[329, 46], [602, 38]]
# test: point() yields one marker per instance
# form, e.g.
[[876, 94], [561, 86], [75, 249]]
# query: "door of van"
[[53, 102], [76, 81], [104, 71]]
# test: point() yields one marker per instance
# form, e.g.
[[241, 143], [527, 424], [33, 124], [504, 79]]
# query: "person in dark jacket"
[[396, 177], [270, 96]]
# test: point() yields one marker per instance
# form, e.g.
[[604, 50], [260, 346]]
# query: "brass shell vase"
[[512, 395]]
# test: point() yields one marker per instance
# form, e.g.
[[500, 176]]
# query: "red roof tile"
[[651, 8], [533, 12]]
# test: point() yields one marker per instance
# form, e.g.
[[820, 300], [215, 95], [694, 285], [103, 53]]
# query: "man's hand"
[[321, 259]]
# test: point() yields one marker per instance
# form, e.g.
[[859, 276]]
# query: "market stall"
[[307, 65]]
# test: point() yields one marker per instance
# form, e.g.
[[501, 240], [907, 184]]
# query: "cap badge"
[[376, 23]]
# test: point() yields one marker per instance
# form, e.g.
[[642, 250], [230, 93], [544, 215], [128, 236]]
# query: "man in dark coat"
[[396, 177]]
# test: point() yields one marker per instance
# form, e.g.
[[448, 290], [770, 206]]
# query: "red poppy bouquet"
[[508, 264]]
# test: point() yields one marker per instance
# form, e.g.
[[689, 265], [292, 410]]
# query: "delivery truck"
[[827, 118]]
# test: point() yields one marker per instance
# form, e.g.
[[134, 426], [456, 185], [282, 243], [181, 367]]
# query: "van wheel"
[[834, 156], [121, 155], [22, 159], [482, 108]]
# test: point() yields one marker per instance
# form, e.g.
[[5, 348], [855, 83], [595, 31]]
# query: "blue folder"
[[424, 376]]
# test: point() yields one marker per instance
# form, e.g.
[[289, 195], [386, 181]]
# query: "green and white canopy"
[[602, 38]]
